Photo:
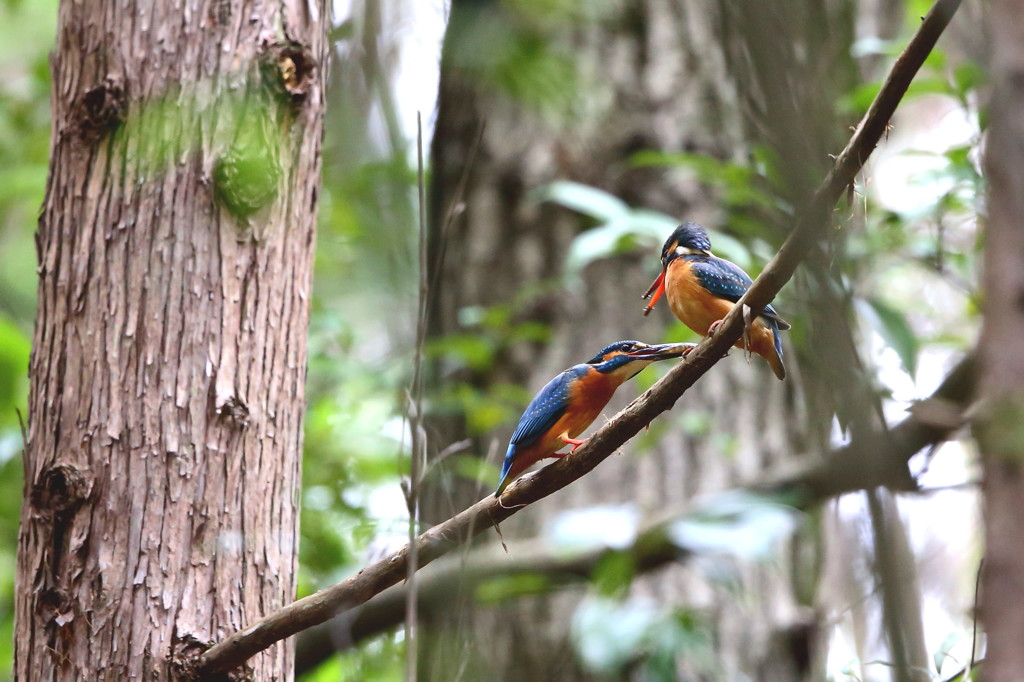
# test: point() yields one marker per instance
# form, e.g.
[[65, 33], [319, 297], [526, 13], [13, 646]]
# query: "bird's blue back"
[[544, 410], [727, 280]]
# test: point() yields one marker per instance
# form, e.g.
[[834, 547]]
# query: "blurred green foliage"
[[622, 229], [26, 35], [381, 660], [613, 636], [363, 308], [735, 524], [487, 333], [514, 49]]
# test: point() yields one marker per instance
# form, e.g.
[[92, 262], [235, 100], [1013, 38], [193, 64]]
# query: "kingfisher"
[[570, 402], [702, 288]]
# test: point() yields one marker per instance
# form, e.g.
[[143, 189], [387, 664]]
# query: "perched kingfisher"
[[572, 400], [703, 288]]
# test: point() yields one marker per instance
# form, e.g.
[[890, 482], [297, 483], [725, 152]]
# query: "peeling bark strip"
[[168, 365]]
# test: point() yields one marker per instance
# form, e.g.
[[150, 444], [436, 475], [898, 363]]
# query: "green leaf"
[[584, 199], [695, 423], [624, 229], [736, 524], [891, 324], [512, 586], [739, 184], [967, 77], [731, 249], [592, 245], [611, 636], [936, 59], [934, 85], [14, 355], [851, 667], [474, 351], [608, 634], [942, 653], [874, 45], [475, 468], [613, 574], [596, 526], [860, 97], [631, 231]]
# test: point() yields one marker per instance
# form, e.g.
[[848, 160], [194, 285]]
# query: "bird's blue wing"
[[543, 411], [722, 278], [727, 280]]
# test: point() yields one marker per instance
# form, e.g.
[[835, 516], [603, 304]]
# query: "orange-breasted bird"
[[702, 288], [570, 402]]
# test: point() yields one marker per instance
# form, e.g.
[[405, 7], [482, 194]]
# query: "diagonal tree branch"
[[860, 465], [440, 539]]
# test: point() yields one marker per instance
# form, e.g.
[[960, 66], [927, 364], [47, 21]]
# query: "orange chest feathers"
[[588, 397], [694, 305]]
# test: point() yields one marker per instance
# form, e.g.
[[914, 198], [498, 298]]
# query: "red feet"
[[575, 442], [746, 330]]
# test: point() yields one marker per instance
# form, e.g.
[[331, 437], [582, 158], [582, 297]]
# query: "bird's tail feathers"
[[775, 361], [506, 470]]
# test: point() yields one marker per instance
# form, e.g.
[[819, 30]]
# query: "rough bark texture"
[[1002, 356], [661, 78], [168, 370]]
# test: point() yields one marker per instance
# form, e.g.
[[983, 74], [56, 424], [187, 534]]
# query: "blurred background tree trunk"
[[167, 378], [999, 431], [728, 82]]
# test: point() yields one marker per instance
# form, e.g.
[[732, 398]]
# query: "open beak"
[[663, 351], [657, 289]]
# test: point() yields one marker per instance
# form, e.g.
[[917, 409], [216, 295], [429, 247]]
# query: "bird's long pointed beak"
[[657, 289], [663, 351]]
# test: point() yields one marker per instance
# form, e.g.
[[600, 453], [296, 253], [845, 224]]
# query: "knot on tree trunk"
[[101, 109], [55, 607], [186, 651], [61, 489], [288, 71], [235, 412]]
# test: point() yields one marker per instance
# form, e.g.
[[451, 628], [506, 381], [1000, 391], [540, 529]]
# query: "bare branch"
[[858, 466], [440, 539]]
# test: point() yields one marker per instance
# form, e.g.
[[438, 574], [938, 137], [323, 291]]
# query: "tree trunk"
[[167, 377], [1000, 436], [667, 77]]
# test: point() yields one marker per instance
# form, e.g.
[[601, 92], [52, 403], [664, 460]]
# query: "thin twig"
[[890, 564], [455, 207], [452, 449], [377, 79], [974, 618], [662, 396], [418, 433]]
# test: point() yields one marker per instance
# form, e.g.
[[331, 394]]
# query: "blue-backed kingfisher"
[[702, 288], [570, 402]]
